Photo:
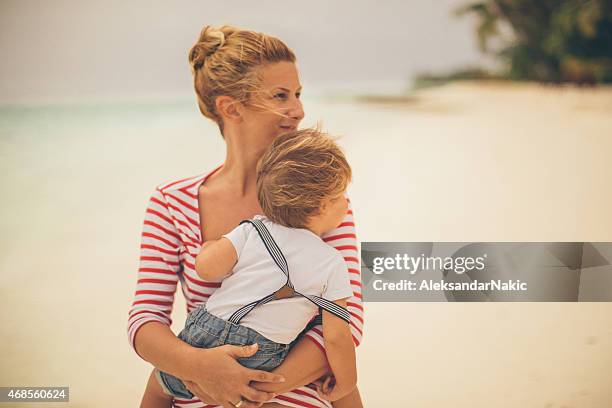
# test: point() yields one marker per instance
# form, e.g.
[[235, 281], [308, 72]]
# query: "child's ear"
[[228, 108], [324, 205]]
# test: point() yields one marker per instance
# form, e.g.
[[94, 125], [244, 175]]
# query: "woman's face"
[[276, 107]]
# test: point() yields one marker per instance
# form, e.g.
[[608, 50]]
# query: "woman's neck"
[[239, 169]]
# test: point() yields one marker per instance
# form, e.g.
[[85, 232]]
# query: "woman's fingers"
[[231, 381], [245, 404], [250, 404], [247, 351], [239, 351], [197, 391], [254, 395], [264, 376], [193, 388], [190, 386]]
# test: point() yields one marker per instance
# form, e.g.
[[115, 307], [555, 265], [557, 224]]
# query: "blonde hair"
[[297, 173], [223, 62]]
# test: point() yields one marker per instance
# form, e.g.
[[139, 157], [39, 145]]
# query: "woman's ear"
[[228, 108]]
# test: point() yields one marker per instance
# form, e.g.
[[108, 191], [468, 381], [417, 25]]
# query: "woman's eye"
[[281, 95], [298, 94]]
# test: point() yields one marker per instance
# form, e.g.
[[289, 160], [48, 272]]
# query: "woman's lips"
[[288, 127]]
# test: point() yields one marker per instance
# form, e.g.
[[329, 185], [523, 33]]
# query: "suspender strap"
[[286, 290], [331, 307], [243, 311], [271, 246]]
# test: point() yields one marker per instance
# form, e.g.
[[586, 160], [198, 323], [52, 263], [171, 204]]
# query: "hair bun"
[[211, 39]]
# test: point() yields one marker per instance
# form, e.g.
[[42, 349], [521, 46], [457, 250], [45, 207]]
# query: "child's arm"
[[216, 259], [340, 351]]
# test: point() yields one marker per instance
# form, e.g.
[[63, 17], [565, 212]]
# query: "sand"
[[463, 162]]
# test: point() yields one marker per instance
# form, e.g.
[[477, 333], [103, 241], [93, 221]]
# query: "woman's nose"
[[297, 110]]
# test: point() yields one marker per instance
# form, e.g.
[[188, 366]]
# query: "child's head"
[[301, 181]]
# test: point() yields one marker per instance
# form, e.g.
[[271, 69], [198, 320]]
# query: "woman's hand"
[[216, 377], [304, 364]]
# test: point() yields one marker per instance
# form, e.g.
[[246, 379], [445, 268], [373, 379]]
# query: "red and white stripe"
[[171, 239]]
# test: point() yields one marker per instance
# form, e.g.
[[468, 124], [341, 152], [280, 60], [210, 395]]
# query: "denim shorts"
[[205, 331]]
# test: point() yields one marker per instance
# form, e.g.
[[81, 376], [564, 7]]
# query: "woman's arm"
[[218, 378], [344, 239], [158, 270], [304, 364]]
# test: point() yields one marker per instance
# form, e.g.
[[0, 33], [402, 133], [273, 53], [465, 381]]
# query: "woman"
[[248, 84]]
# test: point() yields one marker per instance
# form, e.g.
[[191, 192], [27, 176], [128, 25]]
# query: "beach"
[[465, 161]]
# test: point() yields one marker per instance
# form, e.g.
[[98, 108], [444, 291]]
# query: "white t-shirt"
[[315, 268]]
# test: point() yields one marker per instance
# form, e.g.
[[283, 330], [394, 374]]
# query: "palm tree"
[[550, 40]]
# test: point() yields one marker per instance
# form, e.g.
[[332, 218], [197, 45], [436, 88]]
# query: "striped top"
[[171, 240]]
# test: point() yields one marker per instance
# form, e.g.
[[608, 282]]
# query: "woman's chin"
[[286, 129]]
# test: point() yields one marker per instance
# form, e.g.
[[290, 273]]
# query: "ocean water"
[[458, 163]]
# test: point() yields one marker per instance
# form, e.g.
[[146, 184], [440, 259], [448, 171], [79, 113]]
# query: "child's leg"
[[154, 396], [353, 400]]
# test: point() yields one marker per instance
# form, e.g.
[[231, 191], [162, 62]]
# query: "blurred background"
[[463, 121]]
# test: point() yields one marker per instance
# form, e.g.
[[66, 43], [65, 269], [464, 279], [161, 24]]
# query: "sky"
[[64, 49]]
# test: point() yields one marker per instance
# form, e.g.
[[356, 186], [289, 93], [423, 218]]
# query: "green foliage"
[[548, 40], [428, 80]]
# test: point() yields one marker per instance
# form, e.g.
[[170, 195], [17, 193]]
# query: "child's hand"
[[328, 388], [325, 385]]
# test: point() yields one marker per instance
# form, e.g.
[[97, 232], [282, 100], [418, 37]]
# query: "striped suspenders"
[[287, 290]]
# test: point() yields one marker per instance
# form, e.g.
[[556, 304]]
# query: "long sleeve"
[[158, 270], [344, 240]]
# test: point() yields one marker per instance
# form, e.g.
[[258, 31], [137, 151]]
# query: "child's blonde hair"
[[224, 62], [297, 173]]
